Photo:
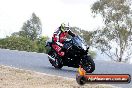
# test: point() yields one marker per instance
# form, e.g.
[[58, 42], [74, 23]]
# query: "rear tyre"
[[55, 61], [88, 64]]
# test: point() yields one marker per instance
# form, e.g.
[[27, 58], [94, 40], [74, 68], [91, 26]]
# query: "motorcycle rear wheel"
[[56, 62]]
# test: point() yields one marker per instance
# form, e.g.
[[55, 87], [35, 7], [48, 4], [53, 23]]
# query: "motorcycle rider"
[[59, 37]]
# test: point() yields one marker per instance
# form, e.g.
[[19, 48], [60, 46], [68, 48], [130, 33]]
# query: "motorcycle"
[[76, 54]]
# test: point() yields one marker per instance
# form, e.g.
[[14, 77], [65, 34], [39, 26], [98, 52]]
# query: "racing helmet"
[[64, 28]]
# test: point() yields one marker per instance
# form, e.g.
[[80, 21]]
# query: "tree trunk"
[[120, 59]]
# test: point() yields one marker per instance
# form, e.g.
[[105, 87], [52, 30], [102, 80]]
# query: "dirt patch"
[[17, 78]]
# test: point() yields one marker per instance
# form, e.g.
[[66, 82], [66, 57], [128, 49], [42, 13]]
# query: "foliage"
[[92, 54], [115, 39], [19, 43], [41, 44], [31, 29], [29, 38], [23, 44]]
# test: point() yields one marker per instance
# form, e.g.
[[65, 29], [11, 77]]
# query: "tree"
[[41, 44], [16, 43], [32, 29], [115, 38]]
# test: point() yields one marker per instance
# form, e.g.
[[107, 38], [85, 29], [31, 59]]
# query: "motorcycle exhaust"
[[51, 58]]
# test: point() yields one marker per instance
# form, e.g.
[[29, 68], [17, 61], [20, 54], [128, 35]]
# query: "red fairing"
[[58, 48]]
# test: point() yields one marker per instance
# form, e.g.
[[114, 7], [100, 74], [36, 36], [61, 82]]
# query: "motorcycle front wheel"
[[88, 64]]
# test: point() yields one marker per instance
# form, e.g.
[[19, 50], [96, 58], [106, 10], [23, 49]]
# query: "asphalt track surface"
[[39, 62]]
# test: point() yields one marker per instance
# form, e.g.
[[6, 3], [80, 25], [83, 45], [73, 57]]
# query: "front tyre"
[[88, 64]]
